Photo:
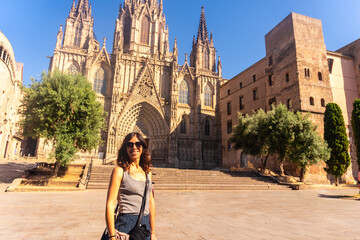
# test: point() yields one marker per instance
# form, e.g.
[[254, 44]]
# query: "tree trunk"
[[56, 169], [336, 181], [264, 163], [302, 174], [282, 172]]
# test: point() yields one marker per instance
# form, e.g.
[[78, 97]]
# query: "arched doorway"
[[147, 120]]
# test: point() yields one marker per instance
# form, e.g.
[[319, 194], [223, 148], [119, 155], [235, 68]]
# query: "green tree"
[[251, 136], [308, 147], [355, 122], [280, 125], [336, 137], [62, 108]]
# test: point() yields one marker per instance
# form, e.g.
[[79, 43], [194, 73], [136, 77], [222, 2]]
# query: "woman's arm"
[[111, 202], [152, 212]]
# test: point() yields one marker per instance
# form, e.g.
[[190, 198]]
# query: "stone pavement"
[[210, 215]]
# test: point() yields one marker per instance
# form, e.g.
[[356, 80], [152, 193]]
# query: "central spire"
[[202, 32]]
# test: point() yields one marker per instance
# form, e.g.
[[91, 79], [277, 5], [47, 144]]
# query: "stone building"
[[299, 72], [11, 76], [143, 87]]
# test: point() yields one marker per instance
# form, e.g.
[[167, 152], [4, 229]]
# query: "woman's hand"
[[153, 237]]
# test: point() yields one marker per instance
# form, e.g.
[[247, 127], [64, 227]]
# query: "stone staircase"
[[178, 179]]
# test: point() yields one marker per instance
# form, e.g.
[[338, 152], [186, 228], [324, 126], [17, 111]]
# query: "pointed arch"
[[145, 30], [77, 38], [100, 81], [184, 92], [208, 93], [127, 30], [73, 69]]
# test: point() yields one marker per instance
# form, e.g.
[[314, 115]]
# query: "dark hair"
[[123, 159]]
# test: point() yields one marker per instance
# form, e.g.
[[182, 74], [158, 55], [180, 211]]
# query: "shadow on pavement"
[[11, 170], [349, 197]]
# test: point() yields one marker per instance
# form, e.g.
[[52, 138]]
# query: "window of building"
[[254, 77], [307, 72], [229, 126], [208, 96], [241, 85], [330, 63], [183, 125], [73, 70], [145, 27], [255, 94], [184, 92], [271, 79], [100, 81], [289, 104], [272, 101], [229, 146], [207, 127], [127, 30], [241, 103], [206, 59], [270, 60], [228, 108], [77, 39], [320, 76], [323, 102], [312, 101], [228, 92], [287, 77]]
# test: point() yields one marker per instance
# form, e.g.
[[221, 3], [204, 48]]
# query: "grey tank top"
[[130, 195]]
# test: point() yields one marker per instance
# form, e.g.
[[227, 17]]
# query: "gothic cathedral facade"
[[142, 86]]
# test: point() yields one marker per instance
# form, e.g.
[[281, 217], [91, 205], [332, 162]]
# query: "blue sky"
[[238, 26]]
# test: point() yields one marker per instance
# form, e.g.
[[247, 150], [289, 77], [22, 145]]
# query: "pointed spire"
[[202, 32], [161, 6], [219, 67], [83, 7], [175, 51]]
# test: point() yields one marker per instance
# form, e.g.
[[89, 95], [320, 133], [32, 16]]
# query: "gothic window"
[[100, 81], [73, 70], [208, 96], [255, 94], [206, 59], [127, 30], [145, 27], [184, 92], [77, 39], [241, 85], [207, 127], [183, 125], [271, 79], [254, 78], [241, 103]]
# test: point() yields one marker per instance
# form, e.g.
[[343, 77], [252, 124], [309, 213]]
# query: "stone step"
[[179, 179]]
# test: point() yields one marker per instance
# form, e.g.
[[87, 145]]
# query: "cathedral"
[[143, 87]]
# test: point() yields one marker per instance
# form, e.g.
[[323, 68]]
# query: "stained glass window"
[[208, 96], [184, 92], [100, 81], [145, 26], [77, 39], [73, 70]]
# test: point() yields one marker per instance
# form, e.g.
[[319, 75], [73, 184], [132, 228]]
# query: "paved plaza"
[[210, 215]]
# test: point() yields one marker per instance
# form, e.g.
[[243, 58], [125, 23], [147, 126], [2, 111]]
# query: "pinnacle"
[[202, 31]]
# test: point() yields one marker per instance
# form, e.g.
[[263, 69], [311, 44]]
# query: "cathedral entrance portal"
[[149, 122]]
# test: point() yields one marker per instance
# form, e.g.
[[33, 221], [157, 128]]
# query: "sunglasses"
[[131, 144]]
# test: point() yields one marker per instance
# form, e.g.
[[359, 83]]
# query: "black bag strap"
[[141, 214]]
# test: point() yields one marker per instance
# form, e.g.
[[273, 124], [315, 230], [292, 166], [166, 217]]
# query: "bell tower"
[[203, 54], [141, 29], [79, 25]]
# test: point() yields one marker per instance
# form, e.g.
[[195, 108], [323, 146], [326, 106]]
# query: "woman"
[[127, 186]]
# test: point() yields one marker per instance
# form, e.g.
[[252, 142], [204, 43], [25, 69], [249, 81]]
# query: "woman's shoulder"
[[118, 171]]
